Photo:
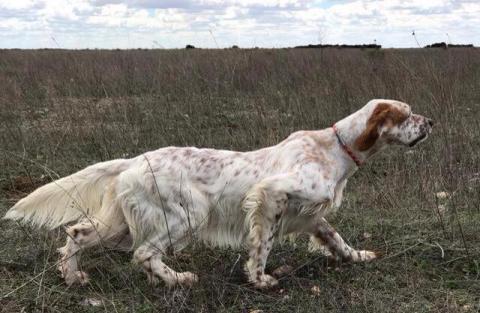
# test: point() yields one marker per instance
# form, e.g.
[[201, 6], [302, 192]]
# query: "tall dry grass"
[[62, 110]]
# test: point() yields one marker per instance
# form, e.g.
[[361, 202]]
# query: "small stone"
[[442, 195], [367, 235], [315, 290], [442, 209], [91, 301]]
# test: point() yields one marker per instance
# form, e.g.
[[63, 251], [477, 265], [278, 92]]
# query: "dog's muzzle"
[[425, 130]]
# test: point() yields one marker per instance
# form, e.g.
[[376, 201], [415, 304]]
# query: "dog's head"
[[392, 122]]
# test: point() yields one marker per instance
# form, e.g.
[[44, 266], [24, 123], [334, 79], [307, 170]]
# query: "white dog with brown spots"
[[157, 201]]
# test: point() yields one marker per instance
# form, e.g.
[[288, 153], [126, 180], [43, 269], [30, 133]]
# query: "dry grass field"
[[63, 110]]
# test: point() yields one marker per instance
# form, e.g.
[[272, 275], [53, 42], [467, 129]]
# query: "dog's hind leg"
[[107, 227], [171, 233], [149, 255], [163, 215], [86, 234]]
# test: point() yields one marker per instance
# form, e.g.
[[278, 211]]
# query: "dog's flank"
[[158, 201]]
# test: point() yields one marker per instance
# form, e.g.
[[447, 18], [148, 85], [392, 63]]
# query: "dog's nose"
[[430, 122]]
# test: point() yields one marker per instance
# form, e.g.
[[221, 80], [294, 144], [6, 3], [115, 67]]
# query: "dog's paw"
[[364, 256], [76, 277], [265, 281], [187, 279]]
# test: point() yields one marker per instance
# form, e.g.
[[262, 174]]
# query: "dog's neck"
[[348, 130]]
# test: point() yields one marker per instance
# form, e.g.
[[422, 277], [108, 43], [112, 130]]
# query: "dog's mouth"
[[417, 140]]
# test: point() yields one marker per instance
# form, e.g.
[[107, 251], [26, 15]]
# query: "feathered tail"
[[68, 198]]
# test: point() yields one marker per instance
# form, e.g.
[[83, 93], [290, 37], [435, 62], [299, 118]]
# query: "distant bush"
[[189, 47], [445, 45]]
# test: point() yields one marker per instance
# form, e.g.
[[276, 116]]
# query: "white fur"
[[162, 199], [69, 198]]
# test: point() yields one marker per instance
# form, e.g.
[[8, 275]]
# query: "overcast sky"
[[213, 23]]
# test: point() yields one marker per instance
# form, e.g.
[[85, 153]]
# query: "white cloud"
[[13, 23], [17, 4], [269, 23]]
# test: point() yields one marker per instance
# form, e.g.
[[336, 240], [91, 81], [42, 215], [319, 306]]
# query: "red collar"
[[346, 148]]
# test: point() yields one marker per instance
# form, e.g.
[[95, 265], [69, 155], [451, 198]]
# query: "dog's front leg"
[[264, 210], [323, 234], [260, 241]]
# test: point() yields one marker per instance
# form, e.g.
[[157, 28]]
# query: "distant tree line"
[[445, 45], [364, 46]]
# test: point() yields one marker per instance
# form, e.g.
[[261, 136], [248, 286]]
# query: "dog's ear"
[[384, 114]]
